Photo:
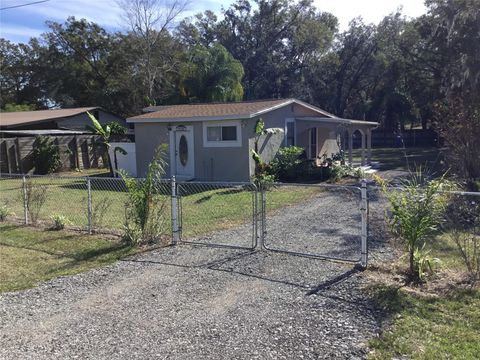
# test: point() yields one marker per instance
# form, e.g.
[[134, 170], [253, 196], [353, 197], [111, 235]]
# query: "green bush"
[[289, 164], [59, 222], [46, 156]]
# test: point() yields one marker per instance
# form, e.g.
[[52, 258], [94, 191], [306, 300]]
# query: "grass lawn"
[[29, 256], [95, 172], [405, 159], [445, 325]]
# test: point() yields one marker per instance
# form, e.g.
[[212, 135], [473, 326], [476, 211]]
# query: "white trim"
[[290, 120], [232, 143], [337, 120], [173, 149]]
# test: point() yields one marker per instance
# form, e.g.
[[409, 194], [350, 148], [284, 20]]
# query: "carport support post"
[[25, 200], [364, 213], [175, 230], [89, 205]]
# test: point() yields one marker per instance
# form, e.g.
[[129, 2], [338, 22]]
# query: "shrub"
[[145, 211], [289, 162], [339, 172], [5, 212], [46, 156], [414, 213], [36, 196], [59, 222]]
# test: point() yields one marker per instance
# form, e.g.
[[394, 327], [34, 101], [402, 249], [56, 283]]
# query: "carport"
[[338, 127]]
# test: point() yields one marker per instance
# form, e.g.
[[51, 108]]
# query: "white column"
[[363, 147], [350, 146], [369, 146]]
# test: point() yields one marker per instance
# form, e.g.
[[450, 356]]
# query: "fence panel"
[[11, 195], [461, 229], [323, 221], [222, 214]]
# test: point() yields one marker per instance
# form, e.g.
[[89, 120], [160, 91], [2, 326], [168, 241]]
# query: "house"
[[213, 142], [61, 119]]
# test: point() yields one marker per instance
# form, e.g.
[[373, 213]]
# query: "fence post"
[[261, 238], [364, 214], [89, 205], [25, 200], [175, 230]]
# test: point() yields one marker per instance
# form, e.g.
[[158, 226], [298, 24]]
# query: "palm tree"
[[105, 132]]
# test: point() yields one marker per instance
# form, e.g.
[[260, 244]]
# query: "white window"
[[290, 132], [222, 134]]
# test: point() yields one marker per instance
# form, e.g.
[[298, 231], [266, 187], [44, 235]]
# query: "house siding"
[[80, 121], [211, 163]]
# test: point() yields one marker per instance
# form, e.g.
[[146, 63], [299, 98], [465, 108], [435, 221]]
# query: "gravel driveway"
[[197, 302]]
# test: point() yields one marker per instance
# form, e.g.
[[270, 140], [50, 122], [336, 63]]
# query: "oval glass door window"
[[183, 150]]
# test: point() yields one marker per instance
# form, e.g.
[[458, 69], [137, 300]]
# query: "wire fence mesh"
[[461, 228], [314, 220], [85, 203], [318, 220], [221, 214]]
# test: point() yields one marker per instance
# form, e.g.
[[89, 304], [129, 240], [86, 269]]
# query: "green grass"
[[396, 158], [429, 328], [29, 256], [203, 211], [223, 208]]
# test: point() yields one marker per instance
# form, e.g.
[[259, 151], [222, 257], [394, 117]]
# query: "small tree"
[[414, 213]]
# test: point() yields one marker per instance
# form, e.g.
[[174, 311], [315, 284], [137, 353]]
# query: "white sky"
[[372, 11]]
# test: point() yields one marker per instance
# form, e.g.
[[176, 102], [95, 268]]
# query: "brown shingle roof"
[[239, 110], [26, 117]]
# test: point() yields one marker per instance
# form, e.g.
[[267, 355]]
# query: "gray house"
[[213, 142]]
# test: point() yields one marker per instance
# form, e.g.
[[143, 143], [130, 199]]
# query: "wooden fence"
[[76, 152]]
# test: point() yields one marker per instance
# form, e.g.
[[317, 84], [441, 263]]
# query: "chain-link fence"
[[324, 221], [461, 228], [91, 204]]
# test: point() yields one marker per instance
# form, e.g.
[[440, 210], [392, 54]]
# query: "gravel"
[[194, 301]]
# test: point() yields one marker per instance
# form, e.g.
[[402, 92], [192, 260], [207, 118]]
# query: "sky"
[[21, 23]]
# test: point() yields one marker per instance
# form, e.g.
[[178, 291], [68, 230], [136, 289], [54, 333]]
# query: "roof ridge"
[[221, 102]]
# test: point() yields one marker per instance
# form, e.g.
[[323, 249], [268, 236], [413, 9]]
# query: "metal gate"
[[318, 220], [321, 221], [218, 214]]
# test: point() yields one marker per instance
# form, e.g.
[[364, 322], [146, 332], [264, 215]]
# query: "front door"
[[183, 157]]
